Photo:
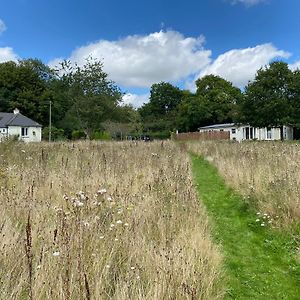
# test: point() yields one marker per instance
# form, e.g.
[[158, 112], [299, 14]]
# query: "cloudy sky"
[[145, 42]]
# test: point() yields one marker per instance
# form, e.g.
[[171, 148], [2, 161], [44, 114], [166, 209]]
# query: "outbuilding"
[[247, 132]]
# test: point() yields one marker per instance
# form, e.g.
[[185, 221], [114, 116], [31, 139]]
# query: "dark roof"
[[11, 119], [226, 125]]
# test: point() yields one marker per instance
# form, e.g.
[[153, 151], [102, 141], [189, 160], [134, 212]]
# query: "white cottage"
[[247, 132], [16, 125]]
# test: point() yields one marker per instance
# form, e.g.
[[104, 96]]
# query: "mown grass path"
[[259, 262]]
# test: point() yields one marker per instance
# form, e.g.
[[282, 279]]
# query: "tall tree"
[[220, 96], [94, 97], [160, 112], [269, 97], [24, 85]]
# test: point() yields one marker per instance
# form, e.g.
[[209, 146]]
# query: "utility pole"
[[50, 121]]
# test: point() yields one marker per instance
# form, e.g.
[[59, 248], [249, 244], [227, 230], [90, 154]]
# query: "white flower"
[[126, 224], [132, 268], [86, 224], [23, 151], [101, 191], [116, 239], [56, 253], [112, 225], [119, 222], [257, 220], [107, 266], [262, 224], [38, 267], [78, 203], [109, 198], [101, 237]]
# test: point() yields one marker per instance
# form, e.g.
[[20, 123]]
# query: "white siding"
[[34, 134], [247, 132]]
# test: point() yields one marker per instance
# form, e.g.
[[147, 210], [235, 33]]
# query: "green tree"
[[24, 85], [193, 113], [220, 96], [93, 97], [159, 114], [268, 98], [295, 101]]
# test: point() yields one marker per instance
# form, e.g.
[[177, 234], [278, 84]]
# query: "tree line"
[[272, 99], [86, 104]]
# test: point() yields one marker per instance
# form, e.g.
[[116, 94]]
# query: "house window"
[[24, 131], [233, 130]]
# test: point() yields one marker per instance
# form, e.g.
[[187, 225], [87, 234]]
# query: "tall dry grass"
[[103, 221], [266, 173]]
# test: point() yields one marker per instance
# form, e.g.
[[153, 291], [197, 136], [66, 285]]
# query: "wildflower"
[[132, 268], [107, 266], [56, 253], [65, 196], [257, 220], [86, 224], [109, 198], [112, 225], [23, 151], [78, 203], [38, 267], [101, 191], [126, 224], [262, 224], [119, 222], [116, 239], [101, 237], [258, 213]]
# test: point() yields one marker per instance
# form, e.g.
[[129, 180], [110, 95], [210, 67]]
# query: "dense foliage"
[[86, 104]]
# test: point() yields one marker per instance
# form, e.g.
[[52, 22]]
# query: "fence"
[[202, 136]]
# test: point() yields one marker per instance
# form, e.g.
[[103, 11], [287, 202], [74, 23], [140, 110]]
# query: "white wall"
[[31, 137], [258, 133]]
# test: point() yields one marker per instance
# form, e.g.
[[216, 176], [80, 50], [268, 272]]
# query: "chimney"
[[16, 111]]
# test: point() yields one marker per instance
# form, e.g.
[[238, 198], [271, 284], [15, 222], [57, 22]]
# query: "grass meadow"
[[108, 220], [265, 173]]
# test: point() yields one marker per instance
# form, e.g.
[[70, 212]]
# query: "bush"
[[57, 134], [78, 134], [101, 135]]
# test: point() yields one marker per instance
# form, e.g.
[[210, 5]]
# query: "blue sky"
[[143, 42]]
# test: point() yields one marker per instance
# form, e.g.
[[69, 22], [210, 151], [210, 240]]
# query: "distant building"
[[247, 132], [16, 125]]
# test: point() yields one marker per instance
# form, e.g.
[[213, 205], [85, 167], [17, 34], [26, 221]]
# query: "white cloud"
[[240, 65], [7, 54], [135, 100], [140, 61], [248, 2], [2, 26], [295, 66]]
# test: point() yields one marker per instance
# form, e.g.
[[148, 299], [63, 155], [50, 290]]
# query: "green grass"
[[259, 261]]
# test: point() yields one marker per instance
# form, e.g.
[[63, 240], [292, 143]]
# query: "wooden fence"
[[202, 136]]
